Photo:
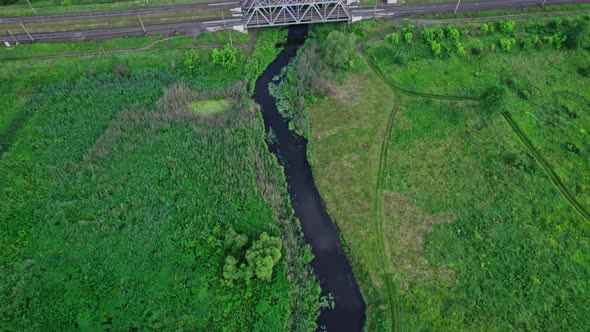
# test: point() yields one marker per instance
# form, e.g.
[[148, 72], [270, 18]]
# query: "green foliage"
[[339, 48], [263, 255], [191, 59], [506, 44], [427, 35], [408, 37], [484, 28], [265, 51], [436, 49], [584, 71], [555, 40], [494, 98], [460, 49], [393, 38], [66, 178], [7, 2], [506, 26], [453, 34], [259, 260], [408, 29], [226, 57]]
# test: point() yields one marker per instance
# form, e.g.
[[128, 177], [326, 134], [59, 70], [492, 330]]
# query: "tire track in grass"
[[548, 169], [394, 305], [390, 287]]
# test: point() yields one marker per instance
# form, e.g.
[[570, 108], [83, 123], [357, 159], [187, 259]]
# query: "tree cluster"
[[257, 261]]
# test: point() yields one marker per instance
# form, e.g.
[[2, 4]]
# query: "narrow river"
[[330, 263]]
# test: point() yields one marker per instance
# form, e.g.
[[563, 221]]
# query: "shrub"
[[7, 2], [536, 40], [485, 28], [408, 37], [556, 23], [556, 40], [191, 59], [392, 38], [439, 35], [427, 35], [226, 57], [493, 98], [410, 28], [506, 44], [506, 26], [460, 49], [453, 34], [436, 49], [339, 48]]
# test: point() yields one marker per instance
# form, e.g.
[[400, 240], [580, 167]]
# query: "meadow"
[[461, 191], [121, 202]]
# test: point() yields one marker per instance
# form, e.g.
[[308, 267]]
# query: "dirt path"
[[394, 307]]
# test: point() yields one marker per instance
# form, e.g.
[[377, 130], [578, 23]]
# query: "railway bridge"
[[266, 13]]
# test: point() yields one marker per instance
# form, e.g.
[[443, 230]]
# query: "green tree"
[[226, 57], [339, 48], [408, 37], [7, 2], [263, 255], [234, 242]]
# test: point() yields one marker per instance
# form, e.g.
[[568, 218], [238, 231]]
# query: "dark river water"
[[330, 263]]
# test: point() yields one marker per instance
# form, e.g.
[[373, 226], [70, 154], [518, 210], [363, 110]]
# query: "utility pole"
[[543, 4], [148, 2], [140, 21], [458, 3], [375, 9], [34, 10], [22, 25], [11, 35]]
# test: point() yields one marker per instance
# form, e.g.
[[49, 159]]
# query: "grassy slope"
[[114, 208], [553, 113], [345, 135], [470, 218]]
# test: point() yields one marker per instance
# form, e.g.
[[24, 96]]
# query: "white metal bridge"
[[264, 13]]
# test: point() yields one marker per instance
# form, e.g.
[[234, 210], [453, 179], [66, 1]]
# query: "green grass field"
[[435, 189], [116, 199]]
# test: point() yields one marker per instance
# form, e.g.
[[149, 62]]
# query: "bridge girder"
[[264, 13]]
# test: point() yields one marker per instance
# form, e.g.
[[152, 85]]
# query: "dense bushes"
[[152, 257], [257, 261], [226, 57]]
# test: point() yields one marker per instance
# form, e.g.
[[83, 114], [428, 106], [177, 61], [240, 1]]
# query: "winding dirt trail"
[[394, 307]]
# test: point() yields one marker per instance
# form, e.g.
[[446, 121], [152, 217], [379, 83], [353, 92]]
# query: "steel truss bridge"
[[265, 13]]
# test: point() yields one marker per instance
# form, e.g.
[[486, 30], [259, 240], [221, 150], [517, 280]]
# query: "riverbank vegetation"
[[461, 192], [121, 202]]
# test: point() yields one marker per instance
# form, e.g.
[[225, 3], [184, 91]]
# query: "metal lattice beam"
[[264, 13]]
